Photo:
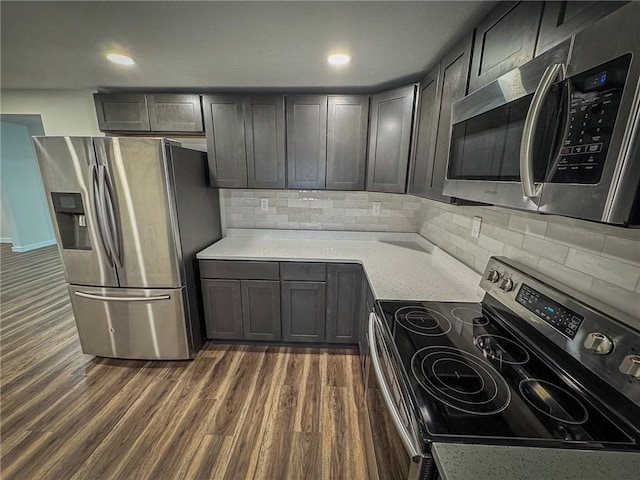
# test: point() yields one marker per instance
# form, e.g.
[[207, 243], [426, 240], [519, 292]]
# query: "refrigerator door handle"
[[92, 296], [111, 218], [96, 207], [108, 213]]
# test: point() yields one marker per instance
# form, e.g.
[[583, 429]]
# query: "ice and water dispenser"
[[71, 219]]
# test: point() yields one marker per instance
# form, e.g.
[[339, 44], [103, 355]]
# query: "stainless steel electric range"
[[534, 364]]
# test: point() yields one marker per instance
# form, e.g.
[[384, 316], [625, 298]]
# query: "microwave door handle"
[[406, 437], [553, 73], [96, 209]]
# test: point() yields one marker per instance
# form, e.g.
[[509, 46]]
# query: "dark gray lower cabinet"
[[344, 290], [303, 311], [261, 309], [222, 308], [366, 305]]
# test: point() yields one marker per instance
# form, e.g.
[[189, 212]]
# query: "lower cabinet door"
[[303, 311], [222, 309], [344, 297], [261, 309]]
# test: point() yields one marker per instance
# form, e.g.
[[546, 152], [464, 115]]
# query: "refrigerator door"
[[69, 173], [139, 205], [131, 323]]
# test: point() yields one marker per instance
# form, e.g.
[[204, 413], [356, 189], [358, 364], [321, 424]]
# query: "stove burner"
[[502, 349], [423, 321], [553, 401], [469, 316], [461, 380]]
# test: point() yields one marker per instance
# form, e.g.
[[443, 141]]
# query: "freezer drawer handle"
[[122, 299]]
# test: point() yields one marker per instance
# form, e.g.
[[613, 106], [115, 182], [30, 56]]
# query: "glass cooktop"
[[470, 377]]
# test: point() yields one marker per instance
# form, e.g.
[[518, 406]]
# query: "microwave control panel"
[[594, 103]]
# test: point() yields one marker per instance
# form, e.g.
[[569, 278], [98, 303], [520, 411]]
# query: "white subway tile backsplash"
[[621, 274], [577, 280], [544, 248], [622, 249], [494, 246], [575, 237], [528, 226], [623, 299], [600, 260]]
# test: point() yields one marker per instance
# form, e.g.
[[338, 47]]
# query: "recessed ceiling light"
[[120, 59], [339, 59]]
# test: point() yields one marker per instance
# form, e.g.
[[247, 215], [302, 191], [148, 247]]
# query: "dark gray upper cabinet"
[[265, 141], [347, 120], [306, 141], [425, 129], [303, 311], [122, 111], [261, 309], [504, 40], [222, 309], [389, 139], [224, 124], [561, 19], [344, 302], [174, 113], [454, 78]]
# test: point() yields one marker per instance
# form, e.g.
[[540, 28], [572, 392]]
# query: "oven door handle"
[[408, 440], [557, 71]]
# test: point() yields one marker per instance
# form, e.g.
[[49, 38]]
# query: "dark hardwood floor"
[[235, 412]]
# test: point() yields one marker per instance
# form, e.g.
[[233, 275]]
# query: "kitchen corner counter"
[[399, 266], [497, 462]]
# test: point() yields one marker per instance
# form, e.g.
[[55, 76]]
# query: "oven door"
[[396, 447], [503, 135]]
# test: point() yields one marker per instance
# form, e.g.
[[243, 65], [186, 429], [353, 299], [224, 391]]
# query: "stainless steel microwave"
[[559, 135]]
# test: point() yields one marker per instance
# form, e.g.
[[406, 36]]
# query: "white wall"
[[63, 112], [6, 223]]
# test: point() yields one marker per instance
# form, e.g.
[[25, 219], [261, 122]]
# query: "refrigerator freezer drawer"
[[136, 323]]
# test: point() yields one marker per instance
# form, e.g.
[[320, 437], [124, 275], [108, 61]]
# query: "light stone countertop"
[[494, 462], [399, 266]]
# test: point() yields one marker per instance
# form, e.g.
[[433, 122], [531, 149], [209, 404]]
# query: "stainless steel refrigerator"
[[130, 214]]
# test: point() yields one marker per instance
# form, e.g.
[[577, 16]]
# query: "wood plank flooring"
[[235, 412]]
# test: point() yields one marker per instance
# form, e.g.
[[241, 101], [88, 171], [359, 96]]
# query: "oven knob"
[[631, 366], [599, 343], [494, 276], [507, 285]]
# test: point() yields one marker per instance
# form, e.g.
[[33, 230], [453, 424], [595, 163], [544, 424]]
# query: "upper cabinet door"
[[505, 39], [265, 141], [122, 111], [560, 20], [424, 144], [454, 78], [306, 141], [347, 122], [224, 124], [389, 139], [175, 113]]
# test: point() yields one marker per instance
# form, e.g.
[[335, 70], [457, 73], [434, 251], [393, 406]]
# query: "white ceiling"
[[179, 44]]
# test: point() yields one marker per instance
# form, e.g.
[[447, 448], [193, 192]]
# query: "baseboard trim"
[[32, 246], [5, 240]]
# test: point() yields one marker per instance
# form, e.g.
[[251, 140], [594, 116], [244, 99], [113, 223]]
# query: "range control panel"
[[605, 345], [594, 103], [564, 320]]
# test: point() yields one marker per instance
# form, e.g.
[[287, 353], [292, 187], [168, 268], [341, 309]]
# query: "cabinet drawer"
[[302, 271], [235, 269]]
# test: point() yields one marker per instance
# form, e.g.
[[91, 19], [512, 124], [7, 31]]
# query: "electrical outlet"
[[264, 204], [475, 227], [375, 210]]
